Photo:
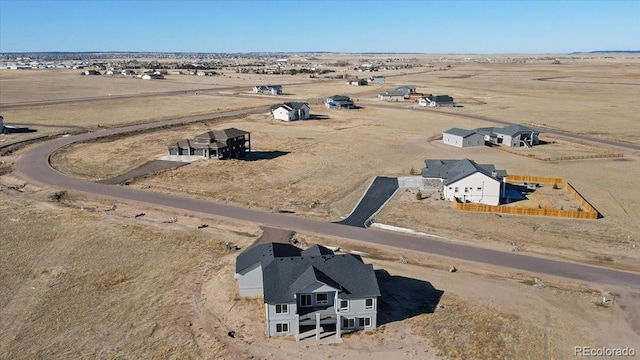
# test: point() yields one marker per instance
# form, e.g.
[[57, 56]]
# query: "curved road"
[[34, 164]]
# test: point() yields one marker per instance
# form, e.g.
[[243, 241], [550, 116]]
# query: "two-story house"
[[312, 289], [291, 111], [268, 89], [221, 144], [339, 102]]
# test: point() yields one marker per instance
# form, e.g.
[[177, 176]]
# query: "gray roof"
[[290, 105], [392, 93], [406, 87], [512, 130], [454, 170], [347, 273], [460, 132], [441, 98], [317, 250], [264, 253], [339, 98]]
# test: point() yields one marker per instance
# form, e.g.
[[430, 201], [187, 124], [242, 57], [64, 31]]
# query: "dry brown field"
[[166, 290], [82, 278]]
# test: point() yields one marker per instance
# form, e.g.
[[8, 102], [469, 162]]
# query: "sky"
[[433, 27]]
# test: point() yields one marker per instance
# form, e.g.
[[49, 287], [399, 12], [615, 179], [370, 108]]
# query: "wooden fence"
[[587, 211]]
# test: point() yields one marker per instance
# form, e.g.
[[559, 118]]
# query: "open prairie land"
[[84, 278], [87, 278]]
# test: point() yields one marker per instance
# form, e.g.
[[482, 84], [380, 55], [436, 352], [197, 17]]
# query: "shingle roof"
[[317, 250], [290, 106], [512, 130], [441, 98], [345, 272], [264, 253], [229, 133], [392, 93], [338, 98], [310, 276], [460, 132], [454, 170]]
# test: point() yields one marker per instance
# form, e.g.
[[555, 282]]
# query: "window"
[[344, 305], [466, 189], [479, 188], [348, 323], [305, 300], [282, 308], [368, 304], [282, 328], [322, 298], [364, 322], [456, 189]]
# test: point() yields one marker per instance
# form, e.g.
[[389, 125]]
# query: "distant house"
[[462, 138], [128, 72], [358, 82], [339, 102], [152, 76], [392, 95], [516, 136], [512, 136], [291, 111], [464, 180], [406, 89], [90, 72], [176, 72], [376, 80], [436, 100], [309, 288], [223, 144], [268, 89]]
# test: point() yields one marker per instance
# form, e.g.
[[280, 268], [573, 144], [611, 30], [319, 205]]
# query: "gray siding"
[[250, 281], [274, 319]]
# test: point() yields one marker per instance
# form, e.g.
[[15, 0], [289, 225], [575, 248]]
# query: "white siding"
[[475, 188], [282, 114], [273, 319], [453, 140]]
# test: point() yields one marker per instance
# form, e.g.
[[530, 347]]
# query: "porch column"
[[338, 323], [317, 326], [296, 328]]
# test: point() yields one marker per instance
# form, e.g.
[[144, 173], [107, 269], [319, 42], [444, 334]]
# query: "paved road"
[[34, 164], [619, 144], [379, 192]]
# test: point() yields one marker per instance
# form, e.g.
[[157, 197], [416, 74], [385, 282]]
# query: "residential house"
[[376, 79], [90, 72], [516, 136], [309, 289], [291, 111], [152, 76], [339, 102], [512, 136], [223, 144], [464, 180], [268, 89], [406, 89], [127, 72], [436, 100], [462, 138], [392, 95], [358, 82]]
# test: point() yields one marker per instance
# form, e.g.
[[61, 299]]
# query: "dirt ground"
[[87, 278]]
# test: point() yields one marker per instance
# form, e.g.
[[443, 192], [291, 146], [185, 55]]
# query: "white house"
[[152, 76], [291, 111], [436, 100], [464, 180], [392, 95], [462, 138], [516, 136], [358, 82]]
